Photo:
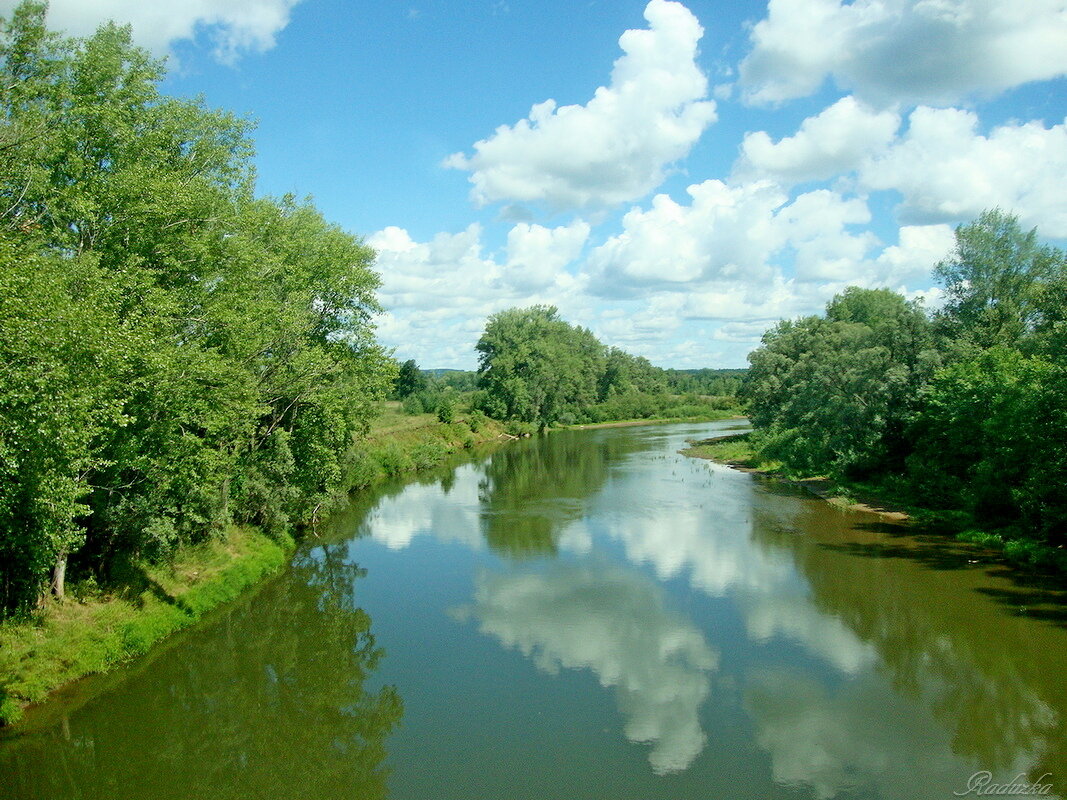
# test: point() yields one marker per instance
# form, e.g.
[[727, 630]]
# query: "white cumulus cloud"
[[947, 171], [816, 225], [617, 147], [726, 232], [723, 248], [437, 294], [536, 255], [832, 142], [919, 248], [934, 51], [232, 26]]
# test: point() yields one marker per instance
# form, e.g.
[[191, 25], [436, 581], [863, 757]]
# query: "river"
[[585, 615]]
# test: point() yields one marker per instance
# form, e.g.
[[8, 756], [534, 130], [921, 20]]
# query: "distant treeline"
[[963, 410], [176, 354], [423, 389], [713, 382], [537, 369]]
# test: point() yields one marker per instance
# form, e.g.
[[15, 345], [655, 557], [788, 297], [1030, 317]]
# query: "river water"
[[585, 615]]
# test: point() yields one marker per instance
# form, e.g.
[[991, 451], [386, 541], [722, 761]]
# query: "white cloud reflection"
[[426, 509], [615, 623]]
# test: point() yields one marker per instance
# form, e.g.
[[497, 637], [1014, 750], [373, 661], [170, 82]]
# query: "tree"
[[410, 379], [835, 393], [990, 442], [60, 362], [176, 353], [993, 279], [1049, 337], [536, 368], [624, 373], [865, 389]]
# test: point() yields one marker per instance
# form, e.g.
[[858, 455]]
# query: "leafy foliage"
[[409, 380], [968, 407], [716, 382], [538, 370], [994, 280], [177, 354], [990, 441], [836, 393]]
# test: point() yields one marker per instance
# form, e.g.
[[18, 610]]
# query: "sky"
[[674, 176]]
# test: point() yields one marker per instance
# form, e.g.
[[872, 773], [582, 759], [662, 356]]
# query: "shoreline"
[[92, 632], [89, 634], [1015, 551], [820, 487], [630, 423]]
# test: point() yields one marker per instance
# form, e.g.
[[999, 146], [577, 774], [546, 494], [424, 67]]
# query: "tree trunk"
[[59, 575]]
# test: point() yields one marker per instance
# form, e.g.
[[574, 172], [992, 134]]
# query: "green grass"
[[1017, 548], [399, 443], [736, 450], [92, 630]]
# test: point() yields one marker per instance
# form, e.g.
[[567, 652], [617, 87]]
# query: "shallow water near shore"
[[586, 615]]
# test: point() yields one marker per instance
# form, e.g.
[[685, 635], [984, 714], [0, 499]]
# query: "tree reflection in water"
[[981, 676], [268, 701], [529, 494]]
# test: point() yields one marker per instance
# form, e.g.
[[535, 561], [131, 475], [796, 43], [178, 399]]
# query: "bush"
[[395, 460], [566, 418], [446, 410], [412, 404], [514, 427], [492, 406], [428, 454], [475, 420]]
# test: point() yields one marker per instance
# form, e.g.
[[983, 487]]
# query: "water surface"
[[586, 615]]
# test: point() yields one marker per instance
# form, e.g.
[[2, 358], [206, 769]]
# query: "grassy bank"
[[92, 630], [95, 628], [734, 450], [707, 415], [888, 497], [399, 443]]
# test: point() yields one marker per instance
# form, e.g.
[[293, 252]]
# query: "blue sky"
[[675, 176]]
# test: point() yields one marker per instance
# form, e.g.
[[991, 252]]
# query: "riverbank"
[[711, 417], [890, 503], [735, 450], [96, 628], [92, 630]]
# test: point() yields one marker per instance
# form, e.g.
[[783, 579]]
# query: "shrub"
[[394, 460], [412, 404], [446, 410], [475, 419], [514, 427]]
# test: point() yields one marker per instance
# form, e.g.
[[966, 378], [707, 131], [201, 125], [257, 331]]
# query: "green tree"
[[835, 393], [1049, 336], [178, 354], [624, 373], [990, 441], [446, 408], [722, 382], [410, 379], [58, 359], [993, 279], [536, 368]]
